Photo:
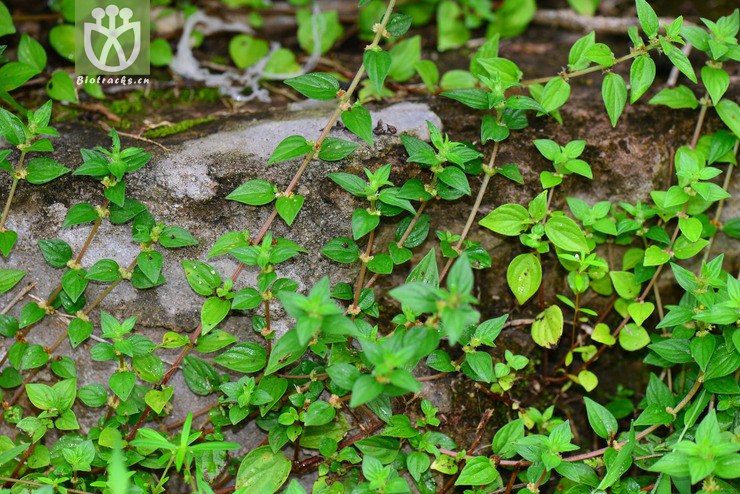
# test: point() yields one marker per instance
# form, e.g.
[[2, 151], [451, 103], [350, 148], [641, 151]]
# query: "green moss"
[[176, 128]]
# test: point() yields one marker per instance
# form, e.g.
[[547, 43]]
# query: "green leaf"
[[548, 327], [617, 464], [214, 311], [359, 122], [43, 170], [62, 39], [9, 278], [323, 26], [7, 27], [31, 53], [363, 222], [455, 178], [508, 219], [639, 311], [524, 276], [716, 81], [625, 284], [229, 241], [157, 399], [93, 395], [633, 337], [648, 18], [729, 112], [105, 270], [680, 60], [80, 213], [202, 277], [319, 413], [428, 72], [41, 395], [317, 85], [122, 383], [341, 249], [79, 331], [477, 471], [8, 238], [61, 87], [289, 207], [474, 98], [555, 94], [56, 252], [74, 283], [254, 192], [614, 94], [245, 357], [565, 234], [246, 50], [602, 421], [680, 97], [655, 256], [403, 57], [377, 63], [289, 148], [365, 388], [506, 436], [335, 149], [160, 53], [263, 471], [174, 237]]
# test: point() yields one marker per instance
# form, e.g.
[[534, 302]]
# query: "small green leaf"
[[602, 421], [263, 471], [639, 311], [289, 148], [524, 276], [8, 238], [246, 50], [548, 327], [56, 252], [648, 18], [614, 94], [363, 222], [43, 170], [478, 470], [335, 149], [565, 234], [317, 85], [555, 94], [377, 63], [289, 207], [214, 311], [254, 193], [508, 219], [61, 87], [359, 122]]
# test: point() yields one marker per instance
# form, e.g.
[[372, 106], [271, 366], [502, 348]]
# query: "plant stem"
[[361, 277], [268, 223], [721, 203], [474, 211], [82, 252], [700, 121], [108, 289], [634, 54], [163, 478], [13, 186]]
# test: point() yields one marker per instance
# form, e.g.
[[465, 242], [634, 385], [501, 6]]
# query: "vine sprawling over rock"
[[188, 333]]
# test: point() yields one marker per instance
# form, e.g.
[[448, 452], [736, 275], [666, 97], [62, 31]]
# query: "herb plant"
[[327, 395]]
